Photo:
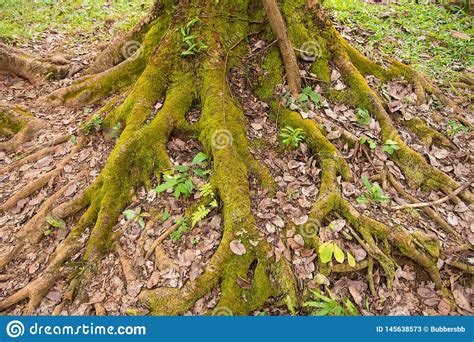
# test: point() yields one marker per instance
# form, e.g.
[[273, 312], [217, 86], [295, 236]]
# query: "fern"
[[200, 213], [206, 190]]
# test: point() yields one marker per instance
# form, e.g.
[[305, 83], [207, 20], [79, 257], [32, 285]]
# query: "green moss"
[[10, 125], [425, 133]]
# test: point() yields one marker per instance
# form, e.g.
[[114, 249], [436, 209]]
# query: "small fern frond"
[[200, 213]]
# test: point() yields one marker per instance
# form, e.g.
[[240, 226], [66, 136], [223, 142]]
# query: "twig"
[[439, 201], [160, 239]]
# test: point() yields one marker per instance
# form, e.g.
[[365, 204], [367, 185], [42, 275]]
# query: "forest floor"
[[441, 55]]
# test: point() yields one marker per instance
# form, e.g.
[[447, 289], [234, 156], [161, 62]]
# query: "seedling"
[[292, 136], [369, 141], [390, 146], [363, 116], [180, 179], [455, 128], [180, 231], [330, 249], [374, 193], [94, 123], [136, 215], [304, 100], [193, 46], [330, 306], [114, 132]]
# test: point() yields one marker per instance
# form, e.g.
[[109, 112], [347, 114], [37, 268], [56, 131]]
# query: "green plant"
[[304, 100], [369, 141], [54, 222], [199, 163], [330, 306], [180, 179], [114, 131], [203, 210], [193, 46], [165, 216], [455, 128], [94, 123], [136, 215], [292, 136], [330, 249], [374, 193], [363, 116], [390, 146], [180, 231]]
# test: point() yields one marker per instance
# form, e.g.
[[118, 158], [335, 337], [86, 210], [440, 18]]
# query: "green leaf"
[[181, 168], [351, 260], [166, 215], [366, 183], [363, 116], [55, 222], [165, 186], [129, 214], [199, 158], [325, 251], [362, 199], [141, 222], [47, 232], [338, 254]]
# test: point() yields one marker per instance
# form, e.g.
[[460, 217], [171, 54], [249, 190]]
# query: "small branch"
[[160, 239], [439, 201], [286, 48]]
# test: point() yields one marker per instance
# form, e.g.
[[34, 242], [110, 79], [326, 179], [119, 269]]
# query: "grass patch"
[[28, 20], [421, 35]]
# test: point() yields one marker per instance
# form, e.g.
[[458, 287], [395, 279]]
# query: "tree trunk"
[[155, 63]]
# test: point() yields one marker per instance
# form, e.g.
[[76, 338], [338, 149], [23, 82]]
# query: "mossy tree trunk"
[[148, 66]]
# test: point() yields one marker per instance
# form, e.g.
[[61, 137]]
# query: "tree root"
[[41, 181], [135, 54], [18, 124], [34, 70], [140, 152]]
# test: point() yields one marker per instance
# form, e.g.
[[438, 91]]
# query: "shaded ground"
[[297, 177]]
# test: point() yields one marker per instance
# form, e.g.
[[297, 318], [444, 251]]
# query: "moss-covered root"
[[422, 249], [154, 49], [138, 153], [425, 133], [126, 45], [18, 125], [415, 168], [33, 69]]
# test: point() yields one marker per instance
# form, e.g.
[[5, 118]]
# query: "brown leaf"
[[237, 247], [244, 283]]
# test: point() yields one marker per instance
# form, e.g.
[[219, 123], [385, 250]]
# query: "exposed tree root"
[[18, 125], [201, 81], [41, 181], [33, 69]]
